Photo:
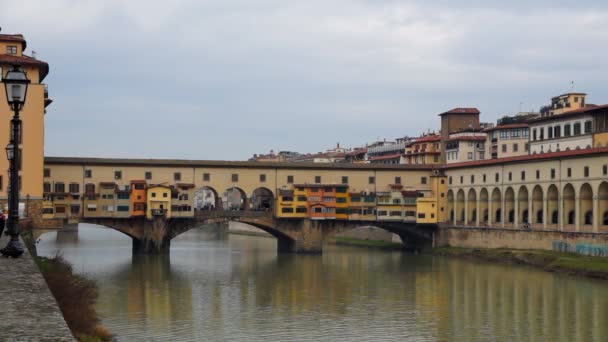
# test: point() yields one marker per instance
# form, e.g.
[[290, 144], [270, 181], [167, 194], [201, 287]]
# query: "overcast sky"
[[229, 78]]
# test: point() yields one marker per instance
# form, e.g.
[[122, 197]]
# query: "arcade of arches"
[[576, 207]]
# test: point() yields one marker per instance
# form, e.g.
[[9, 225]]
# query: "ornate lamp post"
[[15, 84]]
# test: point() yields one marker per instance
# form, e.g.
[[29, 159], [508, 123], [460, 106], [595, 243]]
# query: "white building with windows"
[[508, 140], [465, 146], [563, 132]]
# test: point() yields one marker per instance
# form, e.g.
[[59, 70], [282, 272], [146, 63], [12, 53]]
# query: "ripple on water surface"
[[218, 288]]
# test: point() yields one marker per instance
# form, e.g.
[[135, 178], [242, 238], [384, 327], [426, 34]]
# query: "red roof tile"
[[461, 111], [26, 60], [541, 156], [356, 152], [13, 38], [428, 138], [390, 156], [467, 138]]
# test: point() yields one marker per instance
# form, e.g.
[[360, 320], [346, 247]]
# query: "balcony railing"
[[158, 212]]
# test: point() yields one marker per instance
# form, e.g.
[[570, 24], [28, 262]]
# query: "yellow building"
[[424, 150], [12, 49], [158, 199], [182, 199]]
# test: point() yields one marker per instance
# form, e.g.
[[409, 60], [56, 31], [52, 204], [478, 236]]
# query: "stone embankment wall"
[[29, 310], [581, 243]]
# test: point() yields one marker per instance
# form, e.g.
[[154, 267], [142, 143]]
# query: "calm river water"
[[215, 287]]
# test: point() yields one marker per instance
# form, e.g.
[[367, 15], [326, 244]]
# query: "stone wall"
[[581, 243], [370, 233]]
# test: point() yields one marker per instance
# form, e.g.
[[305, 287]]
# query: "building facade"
[[12, 48]]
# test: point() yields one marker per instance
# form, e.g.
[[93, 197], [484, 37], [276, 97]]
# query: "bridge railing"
[[211, 214]]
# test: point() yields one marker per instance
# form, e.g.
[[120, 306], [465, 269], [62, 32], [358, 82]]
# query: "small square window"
[[235, 177], [47, 172], [206, 177], [262, 178], [148, 175], [88, 173], [117, 174], [397, 180], [317, 179], [344, 179], [177, 176], [290, 179], [423, 180], [371, 180]]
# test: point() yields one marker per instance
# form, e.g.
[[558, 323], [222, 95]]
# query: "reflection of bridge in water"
[[294, 235]]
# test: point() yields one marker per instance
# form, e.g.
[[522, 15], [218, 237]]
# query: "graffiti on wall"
[[580, 248]]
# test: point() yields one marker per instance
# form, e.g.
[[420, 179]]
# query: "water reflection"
[[238, 288]]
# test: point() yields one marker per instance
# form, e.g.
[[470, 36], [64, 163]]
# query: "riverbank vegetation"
[[347, 241], [575, 264], [76, 296]]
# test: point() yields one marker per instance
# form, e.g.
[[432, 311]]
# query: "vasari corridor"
[[285, 171]]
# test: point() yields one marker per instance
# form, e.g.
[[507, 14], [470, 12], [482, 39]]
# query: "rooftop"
[[507, 126], [535, 157], [461, 111], [573, 113], [17, 38], [227, 164], [26, 60]]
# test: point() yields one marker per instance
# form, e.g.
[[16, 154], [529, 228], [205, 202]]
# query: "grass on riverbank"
[[76, 296], [570, 263], [347, 241]]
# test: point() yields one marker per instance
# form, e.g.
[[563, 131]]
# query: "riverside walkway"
[[28, 310]]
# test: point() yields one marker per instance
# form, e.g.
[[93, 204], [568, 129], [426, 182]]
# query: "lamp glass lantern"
[[16, 84], [10, 151]]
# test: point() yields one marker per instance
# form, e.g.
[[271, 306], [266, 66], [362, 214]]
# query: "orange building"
[[326, 201], [138, 198]]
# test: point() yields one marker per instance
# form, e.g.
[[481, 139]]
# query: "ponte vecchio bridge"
[[152, 201]]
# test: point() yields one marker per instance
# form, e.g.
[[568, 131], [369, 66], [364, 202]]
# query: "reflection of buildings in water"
[[146, 292], [519, 302], [331, 283]]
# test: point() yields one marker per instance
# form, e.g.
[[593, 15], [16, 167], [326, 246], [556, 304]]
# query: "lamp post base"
[[13, 249]]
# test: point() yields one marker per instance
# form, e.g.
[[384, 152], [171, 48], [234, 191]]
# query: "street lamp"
[[15, 84]]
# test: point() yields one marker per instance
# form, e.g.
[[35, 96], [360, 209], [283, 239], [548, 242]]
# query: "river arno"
[[216, 287]]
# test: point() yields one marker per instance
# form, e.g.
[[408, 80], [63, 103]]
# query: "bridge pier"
[[302, 236], [155, 238]]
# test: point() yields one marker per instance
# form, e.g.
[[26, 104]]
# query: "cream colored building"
[[188, 177], [559, 191], [465, 146], [508, 140], [12, 49]]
